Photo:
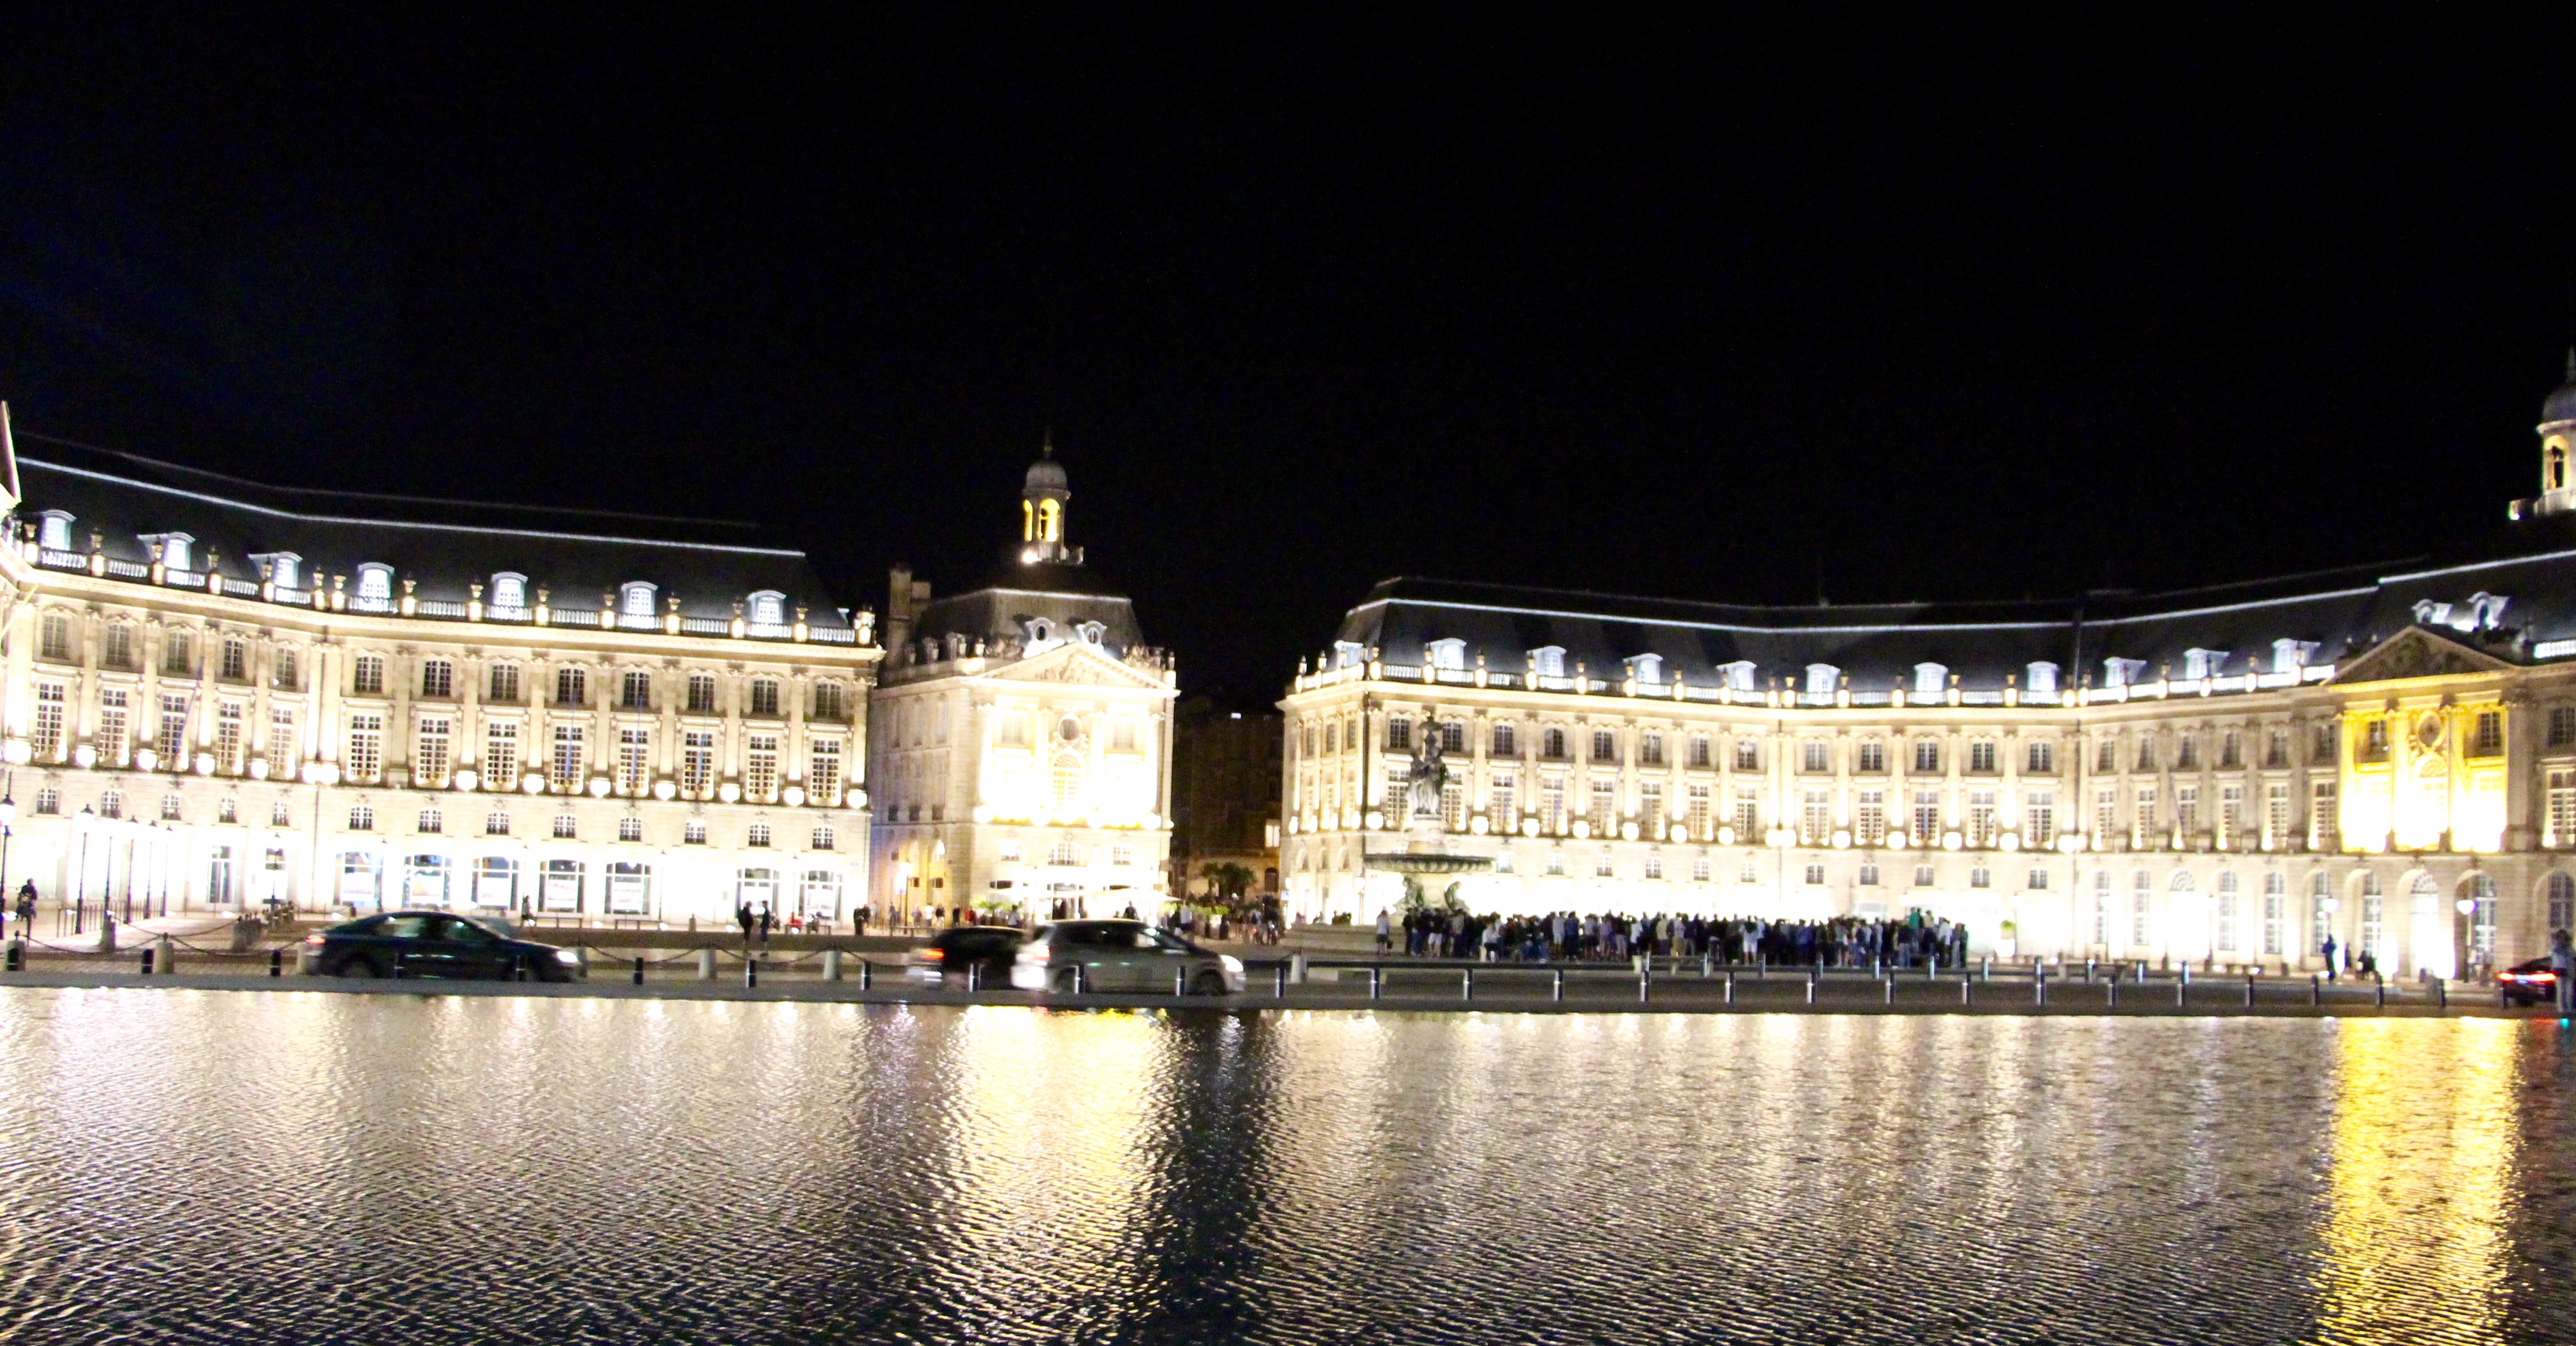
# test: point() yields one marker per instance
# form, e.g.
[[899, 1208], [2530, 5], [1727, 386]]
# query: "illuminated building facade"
[[2224, 776], [219, 693], [1023, 754]]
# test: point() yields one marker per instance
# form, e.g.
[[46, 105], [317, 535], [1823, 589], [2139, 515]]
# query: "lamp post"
[[8, 819]]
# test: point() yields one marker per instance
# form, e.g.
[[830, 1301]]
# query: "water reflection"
[[286, 1167]]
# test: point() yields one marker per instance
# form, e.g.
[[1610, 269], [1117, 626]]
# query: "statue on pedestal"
[[1429, 773]]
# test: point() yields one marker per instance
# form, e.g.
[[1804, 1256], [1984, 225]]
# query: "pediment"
[[1076, 662], [2417, 653]]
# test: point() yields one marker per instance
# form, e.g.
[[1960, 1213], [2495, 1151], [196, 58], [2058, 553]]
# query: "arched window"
[[375, 587], [635, 599], [509, 592], [1066, 779], [54, 532], [2183, 882], [768, 608], [2424, 886], [2557, 467]]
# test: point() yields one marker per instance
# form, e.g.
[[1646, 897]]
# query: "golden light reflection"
[[2416, 1233]]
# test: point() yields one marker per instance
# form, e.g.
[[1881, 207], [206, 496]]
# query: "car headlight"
[[1230, 963], [567, 956]]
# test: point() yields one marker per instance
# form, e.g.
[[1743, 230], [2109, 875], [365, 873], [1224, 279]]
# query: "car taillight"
[[313, 939], [1036, 953], [933, 955]]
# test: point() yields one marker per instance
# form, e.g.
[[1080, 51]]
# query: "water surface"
[[284, 1167]]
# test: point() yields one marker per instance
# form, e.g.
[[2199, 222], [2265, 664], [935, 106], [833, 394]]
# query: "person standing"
[[2562, 960], [765, 920], [2328, 948], [742, 917], [27, 909]]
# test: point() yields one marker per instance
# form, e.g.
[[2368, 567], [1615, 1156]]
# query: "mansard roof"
[[442, 545], [2513, 596], [1065, 596]]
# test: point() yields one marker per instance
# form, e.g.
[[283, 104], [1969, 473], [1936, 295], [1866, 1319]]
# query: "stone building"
[[220, 693], [2225, 775], [1023, 757], [1225, 793]]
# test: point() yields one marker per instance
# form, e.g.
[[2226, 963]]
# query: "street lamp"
[[8, 819]]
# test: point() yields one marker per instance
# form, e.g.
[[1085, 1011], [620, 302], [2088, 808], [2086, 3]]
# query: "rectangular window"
[[2562, 724], [1815, 876], [1499, 805], [367, 675], [1927, 817], [1699, 750], [2036, 880], [764, 698], [823, 771], [2231, 815], [1748, 755], [567, 827], [1654, 866], [702, 694], [2040, 759], [116, 646], [1927, 755], [1816, 755], [2227, 916], [2146, 753], [56, 642], [501, 755], [1873, 756], [366, 747], [2276, 750], [2321, 813], [1699, 814], [2186, 752], [175, 652], [1981, 818], [284, 749], [1748, 817], [49, 801], [630, 829], [2231, 750], [1605, 746], [1981, 877], [2145, 817], [1650, 750], [2322, 750], [172, 742], [2275, 921], [572, 686], [1816, 817], [1699, 869], [2039, 819], [1869, 874], [2562, 808], [2106, 756], [431, 820], [2141, 914], [635, 690], [760, 768], [2488, 740], [437, 678], [47, 736], [1869, 818], [827, 701], [2187, 811], [1399, 734], [1650, 809], [228, 738], [1551, 744], [1923, 876], [1604, 808], [236, 662], [1551, 804], [281, 670], [634, 760], [112, 739], [2106, 816], [2276, 817], [1503, 742], [693, 832], [430, 760], [1981, 756], [361, 818], [565, 770], [1122, 733], [697, 762], [2374, 741], [505, 683]]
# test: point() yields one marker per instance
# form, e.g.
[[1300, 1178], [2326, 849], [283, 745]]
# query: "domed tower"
[[1042, 500], [2557, 443]]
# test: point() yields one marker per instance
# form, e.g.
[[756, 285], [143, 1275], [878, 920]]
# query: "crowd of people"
[[1911, 940]]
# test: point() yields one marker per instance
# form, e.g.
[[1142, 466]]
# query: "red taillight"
[[933, 955], [1037, 953], [313, 939]]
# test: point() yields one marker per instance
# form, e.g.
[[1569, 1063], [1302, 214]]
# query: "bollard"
[[706, 964], [2182, 987], [1730, 986], [1375, 989], [18, 957], [1279, 981], [639, 972], [1762, 966], [169, 964], [1891, 988], [831, 965], [2502, 1001], [2249, 990], [1989, 973], [1180, 981], [1556, 987], [147, 960], [1081, 979], [2111, 985], [1644, 985], [751, 971], [1811, 990], [2442, 994], [1467, 983], [2088, 970], [867, 974], [1967, 987], [1932, 970], [277, 962], [1297, 968], [2381, 994], [1707, 965], [2038, 982]]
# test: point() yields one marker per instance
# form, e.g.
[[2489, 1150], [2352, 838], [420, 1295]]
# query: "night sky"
[[1719, 313]]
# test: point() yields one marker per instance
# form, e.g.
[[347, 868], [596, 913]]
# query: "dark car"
[[436, 944], [2529, 983], [944, 960]]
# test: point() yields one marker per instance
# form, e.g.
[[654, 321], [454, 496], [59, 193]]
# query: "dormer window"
[[54, 530], [1038, 632], [2043, 679], [509, 592], [1647, 669], [1930, 679], [635, 604], [170, 549], [1738, 676], [2122, 672], [284, 569], [1091, 633], [1548, 661], [768, 608], [1349, 654], [375, 587], [1821, 680], [2289, 656], [2198, 664], [1449, 653]]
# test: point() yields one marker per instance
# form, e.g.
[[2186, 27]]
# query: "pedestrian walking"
[[1385, 931], [742, 917], [27, 909], [2329, 949]]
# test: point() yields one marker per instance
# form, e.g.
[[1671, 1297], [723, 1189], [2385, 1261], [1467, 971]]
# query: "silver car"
[[1127, 957]]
